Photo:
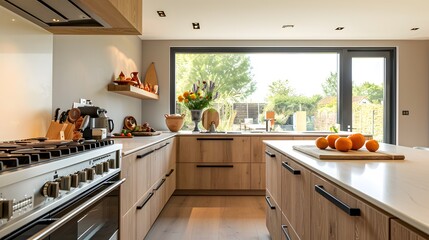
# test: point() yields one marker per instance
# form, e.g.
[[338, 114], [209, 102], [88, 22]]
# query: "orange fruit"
[[358, 140], [343, 144], [371, 145], [322, 143], [331, 140]]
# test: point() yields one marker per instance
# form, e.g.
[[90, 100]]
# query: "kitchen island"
[[391, 194]]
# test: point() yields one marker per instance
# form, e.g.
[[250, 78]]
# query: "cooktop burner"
[[22, 153]]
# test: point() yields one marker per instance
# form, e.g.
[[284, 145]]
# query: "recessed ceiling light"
[[55, 20], [13, 19], [288, 26], [161, 13], [415, 29], [339, 28], [196, 25]]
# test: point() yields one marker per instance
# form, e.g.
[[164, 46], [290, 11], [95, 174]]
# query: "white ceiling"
[[263, 19]]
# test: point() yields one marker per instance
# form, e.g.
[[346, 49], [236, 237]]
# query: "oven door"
[[95, 215]]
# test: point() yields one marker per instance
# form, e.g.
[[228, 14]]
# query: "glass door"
[[369, 84]]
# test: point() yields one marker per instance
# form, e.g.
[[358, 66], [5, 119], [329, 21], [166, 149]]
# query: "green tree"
[[330, 86], [372, 91], [230, 72]]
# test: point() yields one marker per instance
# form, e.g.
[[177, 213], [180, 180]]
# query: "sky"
[[306, 71]]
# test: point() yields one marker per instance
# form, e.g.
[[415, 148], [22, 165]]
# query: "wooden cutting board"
[[210, 115], [139, 134], [332, 154]]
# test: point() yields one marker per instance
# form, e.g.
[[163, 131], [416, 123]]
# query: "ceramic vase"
[[196, 118]]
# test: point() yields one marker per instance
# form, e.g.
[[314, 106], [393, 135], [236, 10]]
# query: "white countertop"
[[130, 145], [400, 187]]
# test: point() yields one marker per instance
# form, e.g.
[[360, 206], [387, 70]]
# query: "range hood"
[[54, 13]]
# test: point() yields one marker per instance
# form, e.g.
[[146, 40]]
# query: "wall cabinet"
[[150, 175], [400, 231]]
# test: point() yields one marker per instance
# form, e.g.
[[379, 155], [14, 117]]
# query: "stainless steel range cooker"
[[59, 189]]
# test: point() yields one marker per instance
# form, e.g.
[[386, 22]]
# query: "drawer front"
[[273, 217], [213, 176], [287, 231], [258, 147], [214, 149], [336, 214], [257, 176], [296, 196], [399, 231], [273, 173]]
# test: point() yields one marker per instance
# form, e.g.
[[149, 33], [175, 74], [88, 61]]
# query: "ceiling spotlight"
[[415, 29], [161, 13], [339, 28], [196, 25], [55, 20], [288, 26]]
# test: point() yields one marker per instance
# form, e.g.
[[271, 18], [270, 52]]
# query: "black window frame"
[[344, 93]]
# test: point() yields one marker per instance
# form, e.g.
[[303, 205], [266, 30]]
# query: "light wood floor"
[[211, 217]]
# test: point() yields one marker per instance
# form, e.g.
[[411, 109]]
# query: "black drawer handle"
[[291, 169], [145, 201], [160, 184], [169, 173], [145, 154], [215, 139], [270, 153], [162, 146], [350, 211], [269, 202], [285, 232], [216, 166]]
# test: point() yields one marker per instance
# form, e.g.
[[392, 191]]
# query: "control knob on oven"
[[105, 167], [112, 163], [6, 209], [51, 189], [82, 176], [90, 173], [65, 183], [74, 180], [99, 169]]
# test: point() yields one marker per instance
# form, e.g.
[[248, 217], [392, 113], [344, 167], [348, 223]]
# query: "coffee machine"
[[98, 120]]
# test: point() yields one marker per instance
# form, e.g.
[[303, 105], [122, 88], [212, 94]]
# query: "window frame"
[[344, 75]]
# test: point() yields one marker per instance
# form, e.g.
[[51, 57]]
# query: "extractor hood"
[[54, 13]]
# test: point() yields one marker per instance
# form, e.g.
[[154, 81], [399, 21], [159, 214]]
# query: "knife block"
[[60, 131]]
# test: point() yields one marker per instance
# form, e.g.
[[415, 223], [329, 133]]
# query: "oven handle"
[[61, 221]]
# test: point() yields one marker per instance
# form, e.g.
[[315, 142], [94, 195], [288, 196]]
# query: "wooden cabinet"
[[336, 214], [400, 231], [123, 17], [209, 176], [214, 149], [273, 217], [287, 232], [150, 175], [257, 166], [213, 163], [273, 162], [296, 196]]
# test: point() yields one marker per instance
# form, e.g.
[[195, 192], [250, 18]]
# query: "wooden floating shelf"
[[132, 91]]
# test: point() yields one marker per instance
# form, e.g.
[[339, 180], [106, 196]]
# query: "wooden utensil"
[[210, 115], [73, 115], [130, 123]]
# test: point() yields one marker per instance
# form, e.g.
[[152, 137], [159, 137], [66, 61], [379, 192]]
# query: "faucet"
[[267, 124]]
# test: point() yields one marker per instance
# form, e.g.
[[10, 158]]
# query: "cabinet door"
[[212, 176], [258, 147], [158, 200], [287, 231], [127, 189], [273, 217], [214, 149], [143, 214], [296, 196], [257, 176], [273, 173], [399, 231], [336, 214], [127, 228]]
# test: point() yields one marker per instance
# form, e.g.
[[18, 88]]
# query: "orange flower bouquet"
[[200, 97]]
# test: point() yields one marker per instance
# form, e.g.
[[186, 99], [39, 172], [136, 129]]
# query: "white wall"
[[25, 78], [85, 65], [412, 73]]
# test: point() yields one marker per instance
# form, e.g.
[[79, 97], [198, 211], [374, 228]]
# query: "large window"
[[299, 89]]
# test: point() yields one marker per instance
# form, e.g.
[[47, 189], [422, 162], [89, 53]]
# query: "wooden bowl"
[[174, 122]]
